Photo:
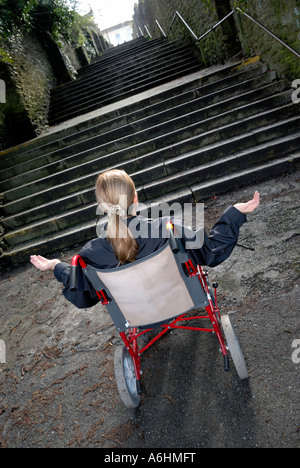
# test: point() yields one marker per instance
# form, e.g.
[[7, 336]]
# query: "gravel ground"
[[57, 387]]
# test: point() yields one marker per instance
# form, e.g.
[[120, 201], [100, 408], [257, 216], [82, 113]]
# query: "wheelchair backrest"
[[150, 290]]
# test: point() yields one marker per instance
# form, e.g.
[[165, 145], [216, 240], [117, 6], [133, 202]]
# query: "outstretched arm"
[[219, 245], [250, 206], [43, 263], [84, 297]]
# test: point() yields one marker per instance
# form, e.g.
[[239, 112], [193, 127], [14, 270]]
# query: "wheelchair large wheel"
[[126, 378], [234, 348]]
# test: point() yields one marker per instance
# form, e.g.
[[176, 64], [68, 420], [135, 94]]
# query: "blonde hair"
[[115, 192]]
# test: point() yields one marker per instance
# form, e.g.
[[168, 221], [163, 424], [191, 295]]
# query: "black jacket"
[[209, 250]]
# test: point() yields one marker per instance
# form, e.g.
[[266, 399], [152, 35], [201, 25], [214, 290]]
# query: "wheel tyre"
[[234, 348], [126, 378]]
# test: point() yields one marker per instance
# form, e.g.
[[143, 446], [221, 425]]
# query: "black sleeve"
[[85, 296], [217, 247]]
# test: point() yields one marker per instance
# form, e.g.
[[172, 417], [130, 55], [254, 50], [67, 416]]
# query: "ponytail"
[[115, 192]]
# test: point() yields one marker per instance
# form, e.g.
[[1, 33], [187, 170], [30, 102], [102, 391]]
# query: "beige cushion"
[[149, 292]]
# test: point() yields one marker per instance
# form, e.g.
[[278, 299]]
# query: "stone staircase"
[[120, 73], [183, 135]]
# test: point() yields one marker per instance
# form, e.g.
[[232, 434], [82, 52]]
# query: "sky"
[[108, 12]]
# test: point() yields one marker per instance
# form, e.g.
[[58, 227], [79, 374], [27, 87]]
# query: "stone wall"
[[33, 65], [198, 15], [281, 17], [28, 80]]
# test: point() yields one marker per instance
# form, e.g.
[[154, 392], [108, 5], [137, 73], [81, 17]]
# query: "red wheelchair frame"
[[212, 313], [126, 373]]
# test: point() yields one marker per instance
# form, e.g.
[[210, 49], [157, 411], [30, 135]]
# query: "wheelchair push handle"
[[176, 243], [76, 261], [73, 278]]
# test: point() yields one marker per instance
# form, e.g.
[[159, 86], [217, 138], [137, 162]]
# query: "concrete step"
[[121, 50], [183, 140], [121, 126], [197, 192], [122, 77], [140, 131], [100, 69], [189, 170], [118, 56], [127, 72], [136, 63], [129, 89], [205, 82], [117, 82], [169, 175], [142, 142]]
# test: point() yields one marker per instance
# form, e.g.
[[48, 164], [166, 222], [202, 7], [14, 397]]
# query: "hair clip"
[[118, 210]]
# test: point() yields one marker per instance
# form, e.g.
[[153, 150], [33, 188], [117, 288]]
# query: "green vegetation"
[[55, 17], [52, 16]]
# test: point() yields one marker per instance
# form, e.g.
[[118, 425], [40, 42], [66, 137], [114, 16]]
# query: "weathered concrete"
[[57, 388]]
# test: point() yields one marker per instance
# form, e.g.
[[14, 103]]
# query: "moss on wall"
[[283, 19], [28, 78], [197, 14], [35, 65], [33, 77], [34, 57], [15, 126]]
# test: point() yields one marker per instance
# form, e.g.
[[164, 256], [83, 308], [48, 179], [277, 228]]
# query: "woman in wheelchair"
[[127, 237]]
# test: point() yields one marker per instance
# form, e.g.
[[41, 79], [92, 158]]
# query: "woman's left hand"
[[250, 206]]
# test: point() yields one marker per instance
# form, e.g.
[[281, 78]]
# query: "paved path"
[[57, 388]]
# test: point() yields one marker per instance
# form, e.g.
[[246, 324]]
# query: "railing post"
[[236, 11], [242, 31], [147, 31], [161, 29], [171, 27]]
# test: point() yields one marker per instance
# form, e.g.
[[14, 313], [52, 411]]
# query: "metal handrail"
[[177, 14], [147, 31], [160, 28], [216, 25], [268, 31], [236, 10]]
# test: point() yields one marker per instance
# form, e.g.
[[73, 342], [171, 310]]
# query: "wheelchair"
[[156, 294]]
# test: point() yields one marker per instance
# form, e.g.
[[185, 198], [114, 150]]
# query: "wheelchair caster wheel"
[[234, 348], [126, 378]]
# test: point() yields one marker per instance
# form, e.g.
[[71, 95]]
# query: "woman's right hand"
[[43, 263]]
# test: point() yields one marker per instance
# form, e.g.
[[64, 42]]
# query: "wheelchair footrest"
[[139, 387], [226, 364]]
